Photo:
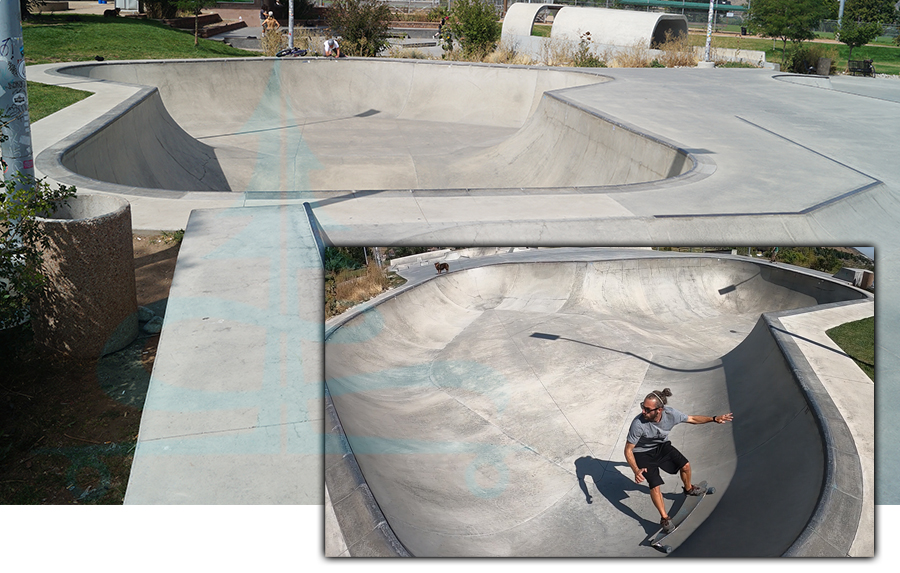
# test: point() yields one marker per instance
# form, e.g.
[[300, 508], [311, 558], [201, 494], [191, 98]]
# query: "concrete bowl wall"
[[535, 138], [89, 308]]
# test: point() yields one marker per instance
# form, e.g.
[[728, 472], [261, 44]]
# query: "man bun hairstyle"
[[661, 396]]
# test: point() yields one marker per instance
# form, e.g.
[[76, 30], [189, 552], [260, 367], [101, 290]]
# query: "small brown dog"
[[441, 267]]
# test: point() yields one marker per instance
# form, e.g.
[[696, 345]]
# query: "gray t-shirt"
[[647, 435]]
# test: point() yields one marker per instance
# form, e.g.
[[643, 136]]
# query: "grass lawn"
[[51, 39], [44, 99], [886, 58], [857, 339]]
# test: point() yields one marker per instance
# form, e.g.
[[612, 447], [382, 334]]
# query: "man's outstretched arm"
[[707, 419]]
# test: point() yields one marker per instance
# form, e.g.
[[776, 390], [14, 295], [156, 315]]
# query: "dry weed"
[[636, 55], [506, 53], [353, 287], [272, 41], [407, 53], [305, 39], [555, 52], [677, 52]]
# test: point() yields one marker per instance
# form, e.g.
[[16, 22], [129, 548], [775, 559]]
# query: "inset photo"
[[599, 402]]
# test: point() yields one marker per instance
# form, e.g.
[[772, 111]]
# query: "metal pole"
[[16, 150], [709, 23], [290, 24]]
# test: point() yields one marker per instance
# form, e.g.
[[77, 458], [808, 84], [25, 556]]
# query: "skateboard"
[[686, 509]]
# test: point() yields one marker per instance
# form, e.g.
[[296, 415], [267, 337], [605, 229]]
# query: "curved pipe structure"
[[617, 27]]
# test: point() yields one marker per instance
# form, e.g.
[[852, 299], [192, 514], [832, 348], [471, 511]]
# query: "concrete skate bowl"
[[265, 125], [484, 406]]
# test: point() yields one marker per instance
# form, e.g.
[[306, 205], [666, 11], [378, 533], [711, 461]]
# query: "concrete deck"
[[488, 407]]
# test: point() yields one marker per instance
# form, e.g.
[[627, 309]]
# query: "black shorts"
[[665, 456]]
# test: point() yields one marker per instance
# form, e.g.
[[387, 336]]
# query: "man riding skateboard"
[[648, 448]]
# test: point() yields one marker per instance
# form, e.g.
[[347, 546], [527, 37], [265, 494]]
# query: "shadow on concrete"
[[613, 486], [546, 336]]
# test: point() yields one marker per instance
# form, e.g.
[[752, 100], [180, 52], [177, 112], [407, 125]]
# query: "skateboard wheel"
[[667, 548], [711, 490]]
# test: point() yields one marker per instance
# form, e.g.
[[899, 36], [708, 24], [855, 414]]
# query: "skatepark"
[[262, 158], [485, 406]]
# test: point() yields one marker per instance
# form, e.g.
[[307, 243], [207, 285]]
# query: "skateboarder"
[[648, 448]]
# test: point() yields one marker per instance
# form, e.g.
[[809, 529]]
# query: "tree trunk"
[[196, 28]]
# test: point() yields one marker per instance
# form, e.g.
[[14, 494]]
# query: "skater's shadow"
[[615, 487]]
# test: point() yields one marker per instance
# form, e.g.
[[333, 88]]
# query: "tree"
[[474, 24], [362, 24], [871, 11], [792, 20], [856, 34], [195, 7]]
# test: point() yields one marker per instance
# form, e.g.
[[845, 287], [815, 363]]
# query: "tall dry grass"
[[555, 52], [349, 288], [305, 39], [677, 52], [272, 41], [506, 53], [637, 55]]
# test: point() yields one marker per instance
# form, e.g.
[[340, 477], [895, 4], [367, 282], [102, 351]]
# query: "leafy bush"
[[160, 8], [474, 25], [22, 200], [804, 58], [362, 24]]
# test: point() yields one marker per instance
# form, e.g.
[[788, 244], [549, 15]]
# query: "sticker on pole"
[[20, 98]]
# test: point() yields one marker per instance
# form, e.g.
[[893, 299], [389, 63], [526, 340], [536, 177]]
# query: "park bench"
[[863, 67]]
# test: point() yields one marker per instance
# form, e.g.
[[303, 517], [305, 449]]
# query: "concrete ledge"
[[833, 526], [363, 525]]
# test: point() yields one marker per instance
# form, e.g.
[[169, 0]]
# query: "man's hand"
[[723, 418], [639, 475]]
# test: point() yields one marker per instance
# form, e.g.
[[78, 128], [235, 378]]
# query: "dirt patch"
[[68, 428]]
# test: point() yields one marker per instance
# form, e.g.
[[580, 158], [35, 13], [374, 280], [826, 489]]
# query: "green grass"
[[45, 99], [541, 30], [857, 339], [886, 58], [50, 39]]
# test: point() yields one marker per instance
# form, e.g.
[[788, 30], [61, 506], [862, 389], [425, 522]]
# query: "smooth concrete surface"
[[477, 403], [233, 413]]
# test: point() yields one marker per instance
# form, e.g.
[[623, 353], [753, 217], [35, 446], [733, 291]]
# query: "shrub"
[[474, 25], [160, 8], [804, 58], [22, 278], [362, 24], [583, 57]]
